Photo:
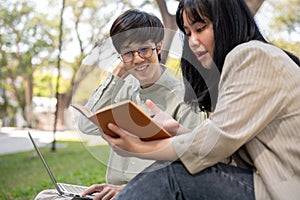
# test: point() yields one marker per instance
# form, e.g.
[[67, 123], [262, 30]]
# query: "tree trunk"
[[28, 100], [171, 27]]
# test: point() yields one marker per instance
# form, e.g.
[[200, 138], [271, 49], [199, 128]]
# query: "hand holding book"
[[128, 145], [128, 116]]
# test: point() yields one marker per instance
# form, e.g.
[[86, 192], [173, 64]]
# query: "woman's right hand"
[[166, 120]]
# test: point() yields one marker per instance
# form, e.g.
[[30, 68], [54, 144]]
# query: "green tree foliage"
[[286, 25], [29, 43], [287, 15], [28, 48], [23, 36]]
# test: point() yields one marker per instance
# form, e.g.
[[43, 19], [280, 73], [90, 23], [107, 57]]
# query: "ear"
[[159, 47]]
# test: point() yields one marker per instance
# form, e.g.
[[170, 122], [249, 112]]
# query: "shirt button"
[[181, 141]]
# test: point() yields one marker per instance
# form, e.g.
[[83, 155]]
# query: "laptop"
[[64, 189]]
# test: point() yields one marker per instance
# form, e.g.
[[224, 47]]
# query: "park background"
[[44, 67]]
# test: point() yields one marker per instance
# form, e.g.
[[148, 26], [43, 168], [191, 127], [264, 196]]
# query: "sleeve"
[[103, 96], [248, 100]]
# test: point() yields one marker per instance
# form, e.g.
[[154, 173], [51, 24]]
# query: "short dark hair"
[[136, 26]]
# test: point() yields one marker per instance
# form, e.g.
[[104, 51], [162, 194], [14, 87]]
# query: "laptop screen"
[[44, 162]]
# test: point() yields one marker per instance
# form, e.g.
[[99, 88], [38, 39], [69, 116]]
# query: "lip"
[[141, 68], [200, 54]]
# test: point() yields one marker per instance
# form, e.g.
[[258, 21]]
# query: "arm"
[[103, 96], [129, 145], [248, 100]]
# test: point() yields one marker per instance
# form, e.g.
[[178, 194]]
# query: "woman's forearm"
[[130, 145], [161, 150]]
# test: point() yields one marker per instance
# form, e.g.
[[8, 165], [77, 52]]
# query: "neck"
[[159, 72]]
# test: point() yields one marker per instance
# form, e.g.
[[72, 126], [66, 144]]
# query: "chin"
[[208, 64]]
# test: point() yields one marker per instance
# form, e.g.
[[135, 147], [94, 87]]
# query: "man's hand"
[[104, 191], [121, 71]]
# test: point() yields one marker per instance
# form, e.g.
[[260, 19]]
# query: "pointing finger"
[[153, 107]]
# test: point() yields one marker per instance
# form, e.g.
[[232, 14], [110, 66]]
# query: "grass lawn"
[[22, 175]]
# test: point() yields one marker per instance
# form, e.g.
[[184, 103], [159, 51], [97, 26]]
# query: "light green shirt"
[[167, 93]]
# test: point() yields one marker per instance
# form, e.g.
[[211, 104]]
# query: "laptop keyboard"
[[74, 188]]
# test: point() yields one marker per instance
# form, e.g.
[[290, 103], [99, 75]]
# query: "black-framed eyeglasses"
[[145, 52]]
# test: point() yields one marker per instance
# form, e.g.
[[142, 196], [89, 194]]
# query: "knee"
[[47, 194]]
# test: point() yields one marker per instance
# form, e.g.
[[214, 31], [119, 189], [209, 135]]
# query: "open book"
[[128, 116]]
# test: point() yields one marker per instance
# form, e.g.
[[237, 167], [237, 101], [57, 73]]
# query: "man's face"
[[141, 60]]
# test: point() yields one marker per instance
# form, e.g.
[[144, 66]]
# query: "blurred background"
[[43, 45], [55, 53]]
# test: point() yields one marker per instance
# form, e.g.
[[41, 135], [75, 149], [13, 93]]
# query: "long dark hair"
[[233, 24], [200, 83]]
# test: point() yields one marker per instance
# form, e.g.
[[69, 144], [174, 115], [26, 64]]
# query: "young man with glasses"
[[137, 37]]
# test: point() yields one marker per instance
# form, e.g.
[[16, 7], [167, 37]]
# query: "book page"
[[86, 112]]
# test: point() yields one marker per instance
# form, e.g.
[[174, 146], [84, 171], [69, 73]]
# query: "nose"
[[193, 40]]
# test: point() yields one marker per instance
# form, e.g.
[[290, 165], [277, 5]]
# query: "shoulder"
[[256, 47], [167, 79], [255, 62], [257, 55]]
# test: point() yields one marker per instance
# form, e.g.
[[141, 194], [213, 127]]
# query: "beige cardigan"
[[259, 107]]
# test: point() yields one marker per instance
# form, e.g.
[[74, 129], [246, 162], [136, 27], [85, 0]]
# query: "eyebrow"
[[125, 47], [195, 22], [138, 46], [192, 23]]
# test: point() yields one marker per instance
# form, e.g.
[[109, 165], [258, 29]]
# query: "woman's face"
[[201, 40]]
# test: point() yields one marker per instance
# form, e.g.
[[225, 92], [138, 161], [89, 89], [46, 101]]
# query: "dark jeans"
[[220, 181]]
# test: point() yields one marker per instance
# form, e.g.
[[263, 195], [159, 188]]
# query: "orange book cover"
[[128, 116]]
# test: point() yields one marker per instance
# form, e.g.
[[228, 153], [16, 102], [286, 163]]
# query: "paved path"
[[14, 140]]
